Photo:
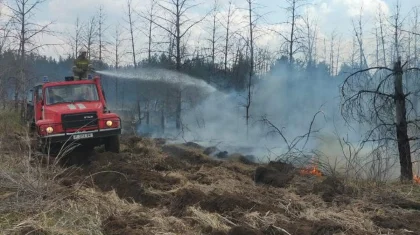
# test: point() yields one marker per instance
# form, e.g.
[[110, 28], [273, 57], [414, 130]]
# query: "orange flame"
[[311, 171], [416, 179]]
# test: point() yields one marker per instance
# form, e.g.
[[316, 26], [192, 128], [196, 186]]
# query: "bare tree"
[[397, 26], [131, 26], [117, 45], [332, 49], [178, 27], [75, 37], [294, 38], [382, 36], [149, 16], [228, 34], [101, 34], [5, 34], [91, 35], [337, 60], [25, 30], [118, 42], [310, 40], [416, 29], [176, 10], [381, 102], [214, 39], [358, 31], [251, 65]]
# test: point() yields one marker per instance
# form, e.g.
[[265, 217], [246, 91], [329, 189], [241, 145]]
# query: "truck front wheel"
[[112, 144]]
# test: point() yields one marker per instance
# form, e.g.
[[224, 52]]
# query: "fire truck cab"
[[73, 111]]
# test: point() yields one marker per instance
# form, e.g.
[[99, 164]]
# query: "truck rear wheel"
[[112, 144]]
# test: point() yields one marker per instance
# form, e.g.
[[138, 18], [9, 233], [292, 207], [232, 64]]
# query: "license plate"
[[82, 136]]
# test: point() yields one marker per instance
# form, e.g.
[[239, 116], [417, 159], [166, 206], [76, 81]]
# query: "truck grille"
[[78, 120]]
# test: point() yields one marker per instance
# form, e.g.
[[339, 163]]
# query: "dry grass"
[[209, 220], [82, 213], [33, 198]]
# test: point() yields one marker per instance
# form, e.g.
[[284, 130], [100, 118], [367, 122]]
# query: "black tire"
[[112, 144]]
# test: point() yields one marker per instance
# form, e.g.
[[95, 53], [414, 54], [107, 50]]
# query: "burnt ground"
[[203, 195]]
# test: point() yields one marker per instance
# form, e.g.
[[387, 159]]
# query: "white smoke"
[[288, 102]]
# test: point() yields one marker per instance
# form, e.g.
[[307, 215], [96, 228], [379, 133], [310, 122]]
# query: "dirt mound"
[[325, 227], [301, 227], [330, 188], [236, 157], [193, 145], [183, 198], [128, 177], [126, 187], [228, 202], [393, 200], [277, 174], [191, 156], [170, 163], [211, 150], [241, 230], [407, 221], [126, 224]]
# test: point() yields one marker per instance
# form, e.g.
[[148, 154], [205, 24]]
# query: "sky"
[[331, 15]]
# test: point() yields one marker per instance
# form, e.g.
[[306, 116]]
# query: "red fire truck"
[[73, 111]]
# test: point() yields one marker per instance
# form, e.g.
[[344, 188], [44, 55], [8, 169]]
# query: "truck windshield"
[[71, 93]]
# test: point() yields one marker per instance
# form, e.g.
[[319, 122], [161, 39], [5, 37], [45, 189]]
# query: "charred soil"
[[181, 190]]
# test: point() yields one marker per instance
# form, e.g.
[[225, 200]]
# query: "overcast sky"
[[331, 15]]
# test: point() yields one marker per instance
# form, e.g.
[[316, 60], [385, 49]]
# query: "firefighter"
[[81, 66]]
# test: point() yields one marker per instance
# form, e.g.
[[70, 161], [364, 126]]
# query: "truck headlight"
[[109, 123], [49, 130]]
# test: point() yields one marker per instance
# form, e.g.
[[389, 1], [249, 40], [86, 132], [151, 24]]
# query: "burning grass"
[[178, 189]]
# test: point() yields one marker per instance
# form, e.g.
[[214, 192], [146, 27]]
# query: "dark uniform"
[[81, 67]]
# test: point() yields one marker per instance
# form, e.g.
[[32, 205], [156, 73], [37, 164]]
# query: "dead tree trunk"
[[101, 34], [178, 10], [131, 29], [147, 113], [401, 125], [251, 69], [139, 112], [162, 117], [382, 35], [226, 46], [292, 31], [178, 94]]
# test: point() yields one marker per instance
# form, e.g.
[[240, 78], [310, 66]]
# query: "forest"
[[372, 74]]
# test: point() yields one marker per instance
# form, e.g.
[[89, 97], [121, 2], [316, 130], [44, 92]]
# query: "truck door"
[[30, 106], [38, 102]]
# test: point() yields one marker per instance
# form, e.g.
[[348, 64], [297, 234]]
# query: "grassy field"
[[155, 188]]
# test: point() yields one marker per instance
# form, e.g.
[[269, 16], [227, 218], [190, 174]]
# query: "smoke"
[[304, 107], [287, 103]]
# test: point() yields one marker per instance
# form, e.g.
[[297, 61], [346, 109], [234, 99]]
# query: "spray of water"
[[160, 75]]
